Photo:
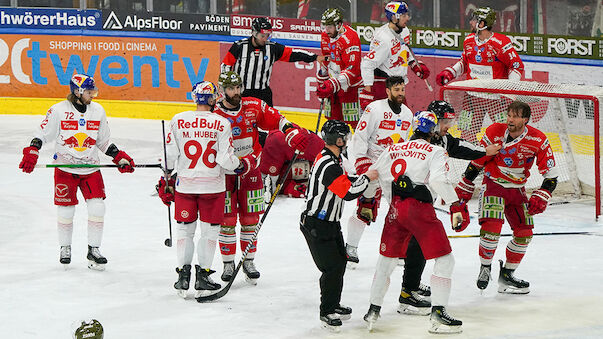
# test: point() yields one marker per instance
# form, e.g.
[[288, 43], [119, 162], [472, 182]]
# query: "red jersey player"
[[486, 55], [505, 175], [244, 189], [339, 77]]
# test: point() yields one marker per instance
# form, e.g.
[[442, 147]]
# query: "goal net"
[[569, 115]]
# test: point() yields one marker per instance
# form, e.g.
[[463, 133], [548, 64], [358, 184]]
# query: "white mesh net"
[[567, 114]]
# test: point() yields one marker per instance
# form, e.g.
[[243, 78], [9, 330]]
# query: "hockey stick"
[[539, 234], [322, 104], [166, 176], [414, 57], [220, 293], [91, 165]]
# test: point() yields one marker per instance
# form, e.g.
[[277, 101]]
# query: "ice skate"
[[331, 322], [96, 261], [251, 273], [371, 316], [507, 283], [352, 256], [424, 291], [484, 276], [345, 313], [442, 322], [65, 256], [413, 304], [228, 271], [184, 278], [203, 281]]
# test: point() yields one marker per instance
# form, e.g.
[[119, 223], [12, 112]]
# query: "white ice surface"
[[134, 297]]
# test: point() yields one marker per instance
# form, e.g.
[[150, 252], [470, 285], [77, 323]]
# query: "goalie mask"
[[89, 330], [300, 170]]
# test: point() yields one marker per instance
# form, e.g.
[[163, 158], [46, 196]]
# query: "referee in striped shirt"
[[328, 187], [252, 58]]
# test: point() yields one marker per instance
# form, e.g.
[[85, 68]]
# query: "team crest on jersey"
[[236, 131], [184, 214], [508, 161]]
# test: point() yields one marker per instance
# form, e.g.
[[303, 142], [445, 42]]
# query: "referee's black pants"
[[326, 244], [264, 94]]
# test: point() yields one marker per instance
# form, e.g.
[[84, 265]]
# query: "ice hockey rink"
[[135, 298]]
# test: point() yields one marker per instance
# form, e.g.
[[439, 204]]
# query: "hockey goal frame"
[[535, 89]]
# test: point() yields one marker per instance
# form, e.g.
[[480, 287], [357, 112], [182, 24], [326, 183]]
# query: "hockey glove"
[[298, 138], [419, 68], [295, 190], [538, 201], [362, 165], [328, 88], [30, 158], [459, 216], [322, 74], [248, 163], [366, 97], [464, 189], [444, 76], [367, 209], [124, 162], [166, 190]]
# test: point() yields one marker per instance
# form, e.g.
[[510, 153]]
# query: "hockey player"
[[329, 187], [486, 55], [504, 193], [339, 76], [384, 123], [389, 55], [244, 190], [276, 155], [252, 58], [200, 144], [79, 128], [408, 174]]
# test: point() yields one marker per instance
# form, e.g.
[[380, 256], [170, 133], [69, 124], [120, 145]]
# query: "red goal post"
[[568, 114]]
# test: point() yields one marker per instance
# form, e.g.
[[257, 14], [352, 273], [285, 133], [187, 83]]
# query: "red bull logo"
[[385, 142], [79, 142]]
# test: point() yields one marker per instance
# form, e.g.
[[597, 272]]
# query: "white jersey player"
[[389, 55], [384, 122], [79, 128], [417, 169], [200, 145]]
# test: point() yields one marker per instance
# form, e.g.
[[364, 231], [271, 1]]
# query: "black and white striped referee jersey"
[[329, 186]]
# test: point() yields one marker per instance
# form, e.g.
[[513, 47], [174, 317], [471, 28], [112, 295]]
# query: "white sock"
[[206, 246], [65, 224], [381, 279], [185, 246], [355, 229], [96, 221], [441, 280]]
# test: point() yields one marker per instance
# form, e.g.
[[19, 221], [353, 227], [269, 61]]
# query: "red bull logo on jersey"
[[201, 123], [79, 142], [385, 142]]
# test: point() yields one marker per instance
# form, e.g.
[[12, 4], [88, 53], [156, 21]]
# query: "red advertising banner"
[[124, 68], [282, 28]]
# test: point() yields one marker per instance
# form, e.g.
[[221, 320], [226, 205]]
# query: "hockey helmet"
[[333, 130], [485, 14], [229, 79], [204, 92], [89, 330], [442, 109], [332, 16], [395, 9], [83, 82], [425, 122], [261, 25]]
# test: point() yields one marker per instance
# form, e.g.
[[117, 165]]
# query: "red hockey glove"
[[538, 201], [464, 189], [124, 162], [328, 88], [419, 68], [366, 97], [367, 209], [30, 158], [444, 77], [322, 74], [166, 190], [248, 163], [362, 165], [298, 138], [459, 216], [295, 190]]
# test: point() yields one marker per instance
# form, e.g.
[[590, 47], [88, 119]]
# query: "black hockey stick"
[[535, 234], [92, 165], [220, 293], [322, 105], [168, 241]]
